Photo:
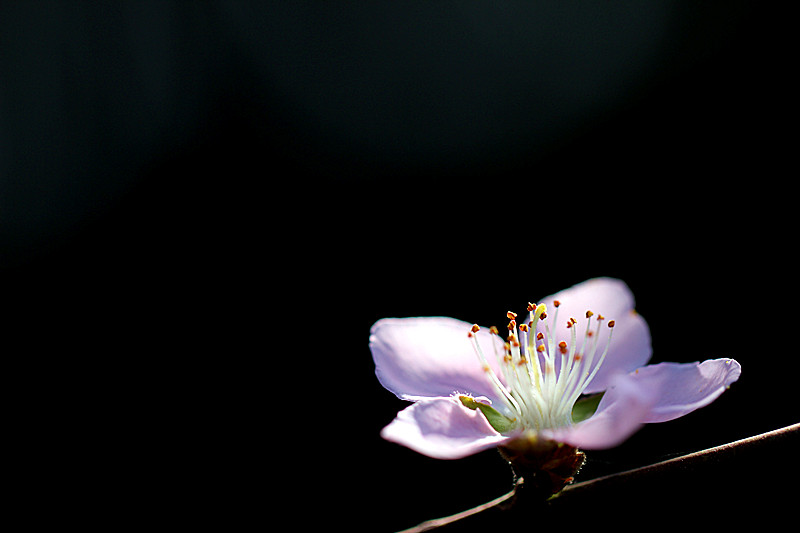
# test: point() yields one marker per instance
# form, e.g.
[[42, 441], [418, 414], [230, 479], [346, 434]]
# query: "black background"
[[205, 207]]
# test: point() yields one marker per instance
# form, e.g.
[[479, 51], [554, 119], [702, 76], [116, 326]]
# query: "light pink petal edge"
[[630, 345], [429, 357], [621, 412], [442, 428], [655, 393], [684, 388]]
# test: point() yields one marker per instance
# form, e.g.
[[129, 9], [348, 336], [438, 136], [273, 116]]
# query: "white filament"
[[534, 392]]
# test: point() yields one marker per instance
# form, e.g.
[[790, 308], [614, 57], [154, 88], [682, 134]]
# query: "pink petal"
[[686, 387], [428, 357], [630, 344], [442, 428], [654, 393], [622, 411]]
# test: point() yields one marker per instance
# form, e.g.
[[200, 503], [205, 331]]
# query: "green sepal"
[[586, 407], [496, 419]]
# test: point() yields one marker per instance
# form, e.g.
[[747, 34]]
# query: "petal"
[[428, 357], [621, 412], [630, 345], [686, 387], [442, 428]]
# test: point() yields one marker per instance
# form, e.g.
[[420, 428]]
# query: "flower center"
[[542, 379]]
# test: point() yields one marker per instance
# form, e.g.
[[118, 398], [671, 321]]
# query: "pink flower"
[[474, 389]]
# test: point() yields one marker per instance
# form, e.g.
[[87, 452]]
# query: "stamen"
[[488, 370], [589, 376], [543, 378]]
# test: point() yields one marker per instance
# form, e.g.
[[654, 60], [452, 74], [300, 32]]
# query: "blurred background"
[[206, 206]]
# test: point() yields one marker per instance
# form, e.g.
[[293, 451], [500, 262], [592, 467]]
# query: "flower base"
[[546, 466]]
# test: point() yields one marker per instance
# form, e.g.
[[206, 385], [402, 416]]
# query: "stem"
[[691, 460], [574, 496], [439, 522]]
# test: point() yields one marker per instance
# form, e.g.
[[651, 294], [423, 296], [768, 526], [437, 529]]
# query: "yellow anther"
[[539, 312]]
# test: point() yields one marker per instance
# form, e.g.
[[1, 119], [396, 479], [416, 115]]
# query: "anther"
[[523, 327], [562, 347], [531, 307], [539, 336], [475, 328], [540, 348], [589, 314], [511, 315], [493, 330], [512, 325], [556, 303], [611, 323]]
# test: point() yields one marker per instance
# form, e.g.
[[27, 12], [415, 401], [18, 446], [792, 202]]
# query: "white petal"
[[442, 428], [686, 387], [429, 357], [630, 345], [622, 411]]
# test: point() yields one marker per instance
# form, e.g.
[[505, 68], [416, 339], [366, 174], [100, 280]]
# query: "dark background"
[[204, 207]]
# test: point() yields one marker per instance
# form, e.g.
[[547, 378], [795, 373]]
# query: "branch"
[[634, 485], [685, 462]]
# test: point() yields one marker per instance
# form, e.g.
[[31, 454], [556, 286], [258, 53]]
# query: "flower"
[[571, 373]]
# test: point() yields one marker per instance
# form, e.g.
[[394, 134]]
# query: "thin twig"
[[607, 482], [684, 461], [439, 522]]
